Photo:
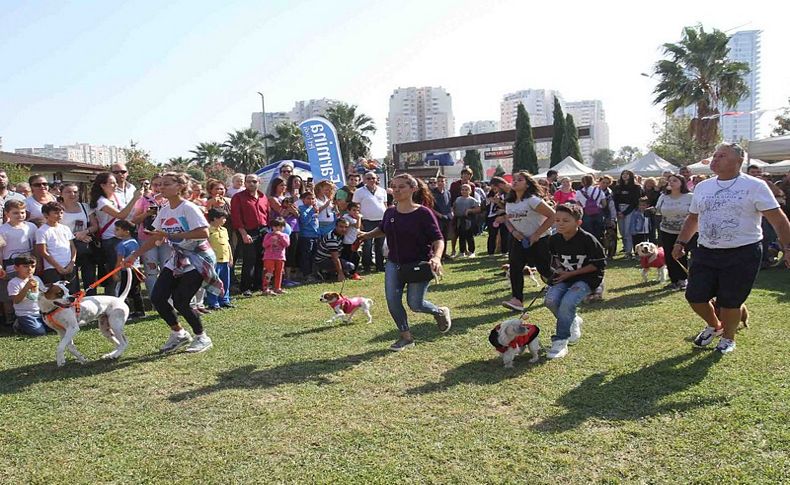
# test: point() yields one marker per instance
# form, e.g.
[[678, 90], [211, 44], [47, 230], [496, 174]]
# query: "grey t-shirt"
[[673, 211], [462, 204]]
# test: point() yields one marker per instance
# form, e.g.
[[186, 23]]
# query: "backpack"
[[591, 206]]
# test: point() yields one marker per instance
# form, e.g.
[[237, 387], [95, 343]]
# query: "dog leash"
[[526, 310]]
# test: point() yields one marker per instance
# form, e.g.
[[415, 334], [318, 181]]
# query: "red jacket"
[[659, 262], [249, 213], [520, 341]]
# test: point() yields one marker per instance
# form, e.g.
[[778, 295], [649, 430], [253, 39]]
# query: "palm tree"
[[287, 144], [353, 131], [698, 73], [178, 164], [243, 150], [207, 154]]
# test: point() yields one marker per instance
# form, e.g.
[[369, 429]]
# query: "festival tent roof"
[[777, 168], [570, 167], [775, 148], [270, 171], [649, 165], [703, 166]]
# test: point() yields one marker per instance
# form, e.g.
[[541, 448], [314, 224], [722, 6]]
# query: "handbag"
[[417, 272]]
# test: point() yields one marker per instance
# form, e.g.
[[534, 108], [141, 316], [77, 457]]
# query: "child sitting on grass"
[[274, 245], [349, 253], [127, 245], [24, 290], [220, 242], [578, 261]]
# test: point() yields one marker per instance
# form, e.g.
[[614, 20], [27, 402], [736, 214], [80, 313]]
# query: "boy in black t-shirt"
[[578, 261]]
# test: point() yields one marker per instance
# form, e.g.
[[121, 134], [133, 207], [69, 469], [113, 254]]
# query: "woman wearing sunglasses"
[[39, 196]]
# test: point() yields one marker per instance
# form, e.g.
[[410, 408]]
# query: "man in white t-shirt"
[[124, 190], [727, 210], [372, 201]]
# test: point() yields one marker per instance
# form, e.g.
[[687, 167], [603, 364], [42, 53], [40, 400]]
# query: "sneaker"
[[706, 336], [200, 344], [511, 305], [443, 320], [356, 277], [682, 284], [247, 293], [290, 283], [725, 345], [672, 286], [280, 292], [558, 350], [176, 340], [576, 330], [471, 255], [228, 305], [268, 292], [401, 344]]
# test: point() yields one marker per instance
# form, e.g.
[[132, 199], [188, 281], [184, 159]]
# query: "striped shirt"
[[326, 245]]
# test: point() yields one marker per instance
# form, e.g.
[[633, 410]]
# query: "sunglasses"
[[120, 172], [40, 184]]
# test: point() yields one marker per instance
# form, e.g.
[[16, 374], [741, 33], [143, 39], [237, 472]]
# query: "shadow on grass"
[[316, 371], [311, 331], [427, 331], [633, 396], [480, 372], [19, 378], [460, 285], [633, 300], [775, 283]]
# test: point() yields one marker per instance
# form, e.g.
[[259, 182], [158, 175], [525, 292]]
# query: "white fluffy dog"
[[511, 337], [345, 307], [651, 256], [111, 312]]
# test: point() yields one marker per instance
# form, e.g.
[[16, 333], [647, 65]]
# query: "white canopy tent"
[[650, 165], [570, 167], [703, 166], [777, 168], [775, 148]]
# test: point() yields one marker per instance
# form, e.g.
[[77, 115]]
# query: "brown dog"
[[744, 313]]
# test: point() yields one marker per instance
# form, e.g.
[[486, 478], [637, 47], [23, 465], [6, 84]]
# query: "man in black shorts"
[[727, 210]]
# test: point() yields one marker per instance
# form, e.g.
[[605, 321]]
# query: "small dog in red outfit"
[[651, 256], [345, 307], [512, 337]]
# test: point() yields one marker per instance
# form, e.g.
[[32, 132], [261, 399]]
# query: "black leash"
[[533, 301]]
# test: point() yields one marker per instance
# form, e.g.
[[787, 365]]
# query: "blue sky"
[[172, 74]]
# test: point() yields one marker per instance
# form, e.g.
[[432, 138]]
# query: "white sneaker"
[[576, 330], [200, 344], [470, 255], [558, 350], [725, 345], [176, 340], [706, 336]]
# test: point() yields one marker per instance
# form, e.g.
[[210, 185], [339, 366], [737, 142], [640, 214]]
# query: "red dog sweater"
[[346, 304], [659, 262], [520, 341]]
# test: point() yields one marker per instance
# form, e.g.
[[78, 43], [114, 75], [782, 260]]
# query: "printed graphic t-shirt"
[[183, 218], [576, 253]]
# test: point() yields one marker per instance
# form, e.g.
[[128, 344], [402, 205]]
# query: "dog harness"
[[347, 305], [658, 262], [520, 341]]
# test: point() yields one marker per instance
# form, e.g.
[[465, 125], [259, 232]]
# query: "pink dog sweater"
[[346, 304], [659, 262]]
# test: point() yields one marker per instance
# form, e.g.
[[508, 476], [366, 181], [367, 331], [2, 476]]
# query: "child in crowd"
[[55, 246], [220, 242], [19, 238], [274, 245], [308, 233], [24, 290], [640, 222], [126, 246], [578, 263], [354, 219], [465, 207]]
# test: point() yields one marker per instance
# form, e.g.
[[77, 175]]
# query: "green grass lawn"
[[283, 397]]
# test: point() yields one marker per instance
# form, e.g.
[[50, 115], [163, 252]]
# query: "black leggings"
[[504, 237], [466, 236], [134, 291], [536, 255], [676, 273], [181, 290]]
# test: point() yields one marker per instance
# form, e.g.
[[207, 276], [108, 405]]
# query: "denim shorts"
[[726, 274]]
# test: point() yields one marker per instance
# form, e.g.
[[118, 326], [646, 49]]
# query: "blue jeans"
[[562, 299], [223, 271], [415, 297], [625, 233], [31, 325]]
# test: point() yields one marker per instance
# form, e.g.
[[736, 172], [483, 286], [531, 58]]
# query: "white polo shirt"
[[372, 204], [730, 211]]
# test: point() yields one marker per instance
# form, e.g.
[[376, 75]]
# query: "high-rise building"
[[301, 111], [539, 104], [744, 47], [590, 112], [79, 152], [477, 127], [417, 114]]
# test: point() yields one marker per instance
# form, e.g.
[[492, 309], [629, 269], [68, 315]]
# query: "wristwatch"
[[684, 244]]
